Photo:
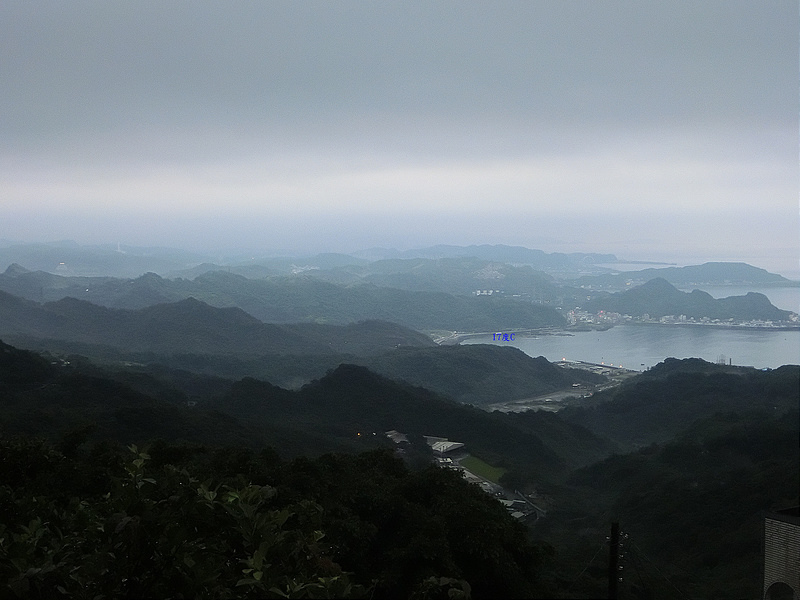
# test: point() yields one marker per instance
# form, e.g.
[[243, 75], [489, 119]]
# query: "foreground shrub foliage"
[[108, 524], [167, 537]]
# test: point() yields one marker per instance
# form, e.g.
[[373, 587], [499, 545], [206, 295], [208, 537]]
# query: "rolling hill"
[[478, 373], [325, 415], [659, 298], [710, 273], [291, 299], [192, 326], [227, 342], [664, 401]]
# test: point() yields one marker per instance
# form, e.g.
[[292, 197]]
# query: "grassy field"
[[485, 470]]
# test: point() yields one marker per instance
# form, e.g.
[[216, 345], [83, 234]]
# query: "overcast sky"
[[655, 130]]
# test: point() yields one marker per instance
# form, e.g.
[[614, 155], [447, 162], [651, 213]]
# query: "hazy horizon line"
[[229, 253]]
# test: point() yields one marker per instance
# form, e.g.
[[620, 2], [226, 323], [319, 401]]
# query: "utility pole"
[[613, 561]]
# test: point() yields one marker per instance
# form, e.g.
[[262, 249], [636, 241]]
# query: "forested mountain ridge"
[[656, 406], [353, 399], [61, 400], [658, 298], [488, 374], [422, 293], [294, 299], [192, 326], [228, 342], [478, 373], [325, 415]]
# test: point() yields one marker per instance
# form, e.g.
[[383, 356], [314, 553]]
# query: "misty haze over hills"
[[327, 308], [71, 258], [101, 260], [419, 292]]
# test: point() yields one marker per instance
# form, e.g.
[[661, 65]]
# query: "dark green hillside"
[[74, 398], [659, 298], [21, 315], [186, 326], [63, 401], [158, 381], [691, 506], [187, 519], [363, 338], [472, 374], [381, 521], [671, 366], [726, 447], [478, 373], [138, 404], [22, 370], [660, 404], [352, 400]]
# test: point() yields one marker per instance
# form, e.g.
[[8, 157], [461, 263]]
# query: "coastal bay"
[[640, 347]]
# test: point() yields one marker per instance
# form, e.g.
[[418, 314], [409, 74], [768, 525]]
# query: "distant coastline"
[[761, 327], [452, 338], [456, 337]]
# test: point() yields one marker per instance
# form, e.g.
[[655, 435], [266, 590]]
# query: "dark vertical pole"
[[613, 561]]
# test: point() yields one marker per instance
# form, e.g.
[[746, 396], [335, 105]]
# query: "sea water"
[[642, 346], [639, 347]]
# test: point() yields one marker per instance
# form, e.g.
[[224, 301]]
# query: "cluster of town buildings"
[[609, 319]]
